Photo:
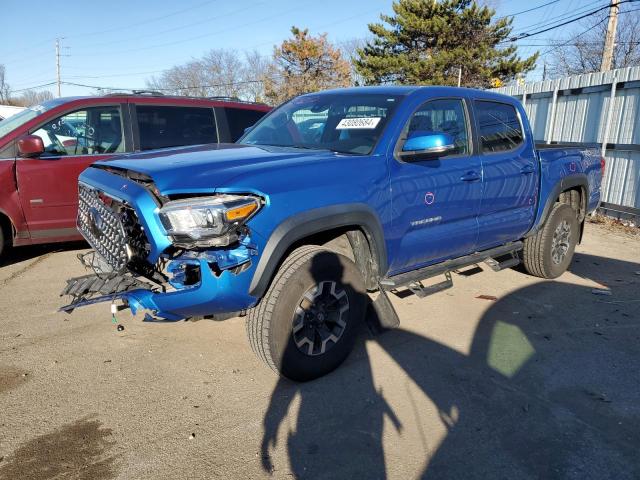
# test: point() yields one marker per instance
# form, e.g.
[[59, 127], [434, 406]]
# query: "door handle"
[[527, 169], [470, 176]]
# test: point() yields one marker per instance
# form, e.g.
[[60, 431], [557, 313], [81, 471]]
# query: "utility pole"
[[610, 39], [58, 65], [459, 76]]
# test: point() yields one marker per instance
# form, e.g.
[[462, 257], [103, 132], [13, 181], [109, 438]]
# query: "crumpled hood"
[[206, 167]]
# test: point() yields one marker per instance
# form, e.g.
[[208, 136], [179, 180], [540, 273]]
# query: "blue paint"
[[429, 210], [425, 141]]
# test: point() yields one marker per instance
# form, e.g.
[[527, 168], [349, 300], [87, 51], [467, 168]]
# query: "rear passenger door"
[[163, 126], [510, 173]]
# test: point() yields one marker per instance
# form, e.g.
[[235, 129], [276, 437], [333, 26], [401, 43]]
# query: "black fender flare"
[[577, 180], [307, 223]]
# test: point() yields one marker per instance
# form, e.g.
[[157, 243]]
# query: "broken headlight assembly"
[[212, 221]]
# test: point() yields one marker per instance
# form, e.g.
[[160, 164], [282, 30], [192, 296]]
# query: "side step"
[[497, 264], [408, 278], [421, 291]]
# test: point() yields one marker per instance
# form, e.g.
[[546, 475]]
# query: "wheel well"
[[7, 228], [576, 198], [350, 241]]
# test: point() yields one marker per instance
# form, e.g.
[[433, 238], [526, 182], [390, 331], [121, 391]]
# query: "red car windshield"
[[8, 125]]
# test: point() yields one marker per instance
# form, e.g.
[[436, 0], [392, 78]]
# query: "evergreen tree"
[[426, 41]]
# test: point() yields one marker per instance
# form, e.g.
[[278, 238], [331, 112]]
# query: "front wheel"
[[307, 322], [548, 253]]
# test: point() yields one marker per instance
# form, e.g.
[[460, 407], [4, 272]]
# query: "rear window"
[[162, 127], [240, 119], [499, 126]]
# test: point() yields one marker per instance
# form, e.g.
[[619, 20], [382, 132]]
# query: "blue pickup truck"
[[328, 203]]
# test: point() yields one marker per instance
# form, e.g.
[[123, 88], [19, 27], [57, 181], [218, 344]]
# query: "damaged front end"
[[189, 257]]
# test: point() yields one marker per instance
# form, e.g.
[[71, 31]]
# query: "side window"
[[442, 116], [239, 119], [91, 131], [162, 126], [499, 128]]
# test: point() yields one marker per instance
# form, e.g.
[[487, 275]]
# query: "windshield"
[[14, 121], [343, 123]]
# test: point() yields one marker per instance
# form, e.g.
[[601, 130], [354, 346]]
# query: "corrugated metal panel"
[[624, 122], [621, 185], [582, 117], [538, 113], [578, 117], [575, 81]]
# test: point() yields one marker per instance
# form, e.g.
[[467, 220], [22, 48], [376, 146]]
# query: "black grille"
[[102, 226]]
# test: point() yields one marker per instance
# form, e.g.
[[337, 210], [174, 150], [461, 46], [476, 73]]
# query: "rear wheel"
[[548, 253], [307, 322]]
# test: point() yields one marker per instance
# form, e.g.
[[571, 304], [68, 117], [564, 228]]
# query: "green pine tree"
[[427, 41]]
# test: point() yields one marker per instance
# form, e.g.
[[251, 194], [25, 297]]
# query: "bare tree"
[[32, 97], [255, 69], [5, 89], [217, 73], [582, 52], [349, 49]]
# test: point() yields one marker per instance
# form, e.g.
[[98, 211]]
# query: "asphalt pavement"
[[503, 376]]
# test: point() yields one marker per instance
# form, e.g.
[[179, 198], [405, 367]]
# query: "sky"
[[121, 43]]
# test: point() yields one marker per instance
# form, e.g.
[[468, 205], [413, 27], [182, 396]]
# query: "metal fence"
[[578, 109]]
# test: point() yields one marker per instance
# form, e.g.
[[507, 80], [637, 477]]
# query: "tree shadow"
[[549, 390], [20, 254]]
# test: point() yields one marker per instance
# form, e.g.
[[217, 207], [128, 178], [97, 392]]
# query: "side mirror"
[[427, 145], [30, 146]]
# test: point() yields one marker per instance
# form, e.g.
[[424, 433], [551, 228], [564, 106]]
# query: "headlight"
[[207, 221]]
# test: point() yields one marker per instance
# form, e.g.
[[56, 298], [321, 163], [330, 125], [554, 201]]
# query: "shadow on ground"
[[549, 390], [20, 254], [78, 450]]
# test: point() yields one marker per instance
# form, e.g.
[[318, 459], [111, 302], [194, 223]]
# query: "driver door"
[[435, 200], [48, 185]]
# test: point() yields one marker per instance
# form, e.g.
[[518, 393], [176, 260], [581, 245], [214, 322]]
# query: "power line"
[[568, 42], [144, 22], [34, 87], [527, 35], [198, 37], [127, 27], [191, 87], [173, 29], [527, 11], [547, 21]]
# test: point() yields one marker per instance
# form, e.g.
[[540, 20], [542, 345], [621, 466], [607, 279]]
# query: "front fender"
[[307, 223]]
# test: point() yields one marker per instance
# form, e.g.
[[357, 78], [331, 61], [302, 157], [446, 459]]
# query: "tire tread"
[[259, 318]]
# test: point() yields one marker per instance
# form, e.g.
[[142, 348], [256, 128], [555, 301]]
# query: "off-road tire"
[[538, 255], [270, 323]]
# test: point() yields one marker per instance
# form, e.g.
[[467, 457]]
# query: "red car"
[[44, 148]]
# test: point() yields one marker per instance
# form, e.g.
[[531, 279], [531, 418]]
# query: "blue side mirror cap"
[[429, 143]]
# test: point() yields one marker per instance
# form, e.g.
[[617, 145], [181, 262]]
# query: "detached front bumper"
[[217, 292], [194, 284]]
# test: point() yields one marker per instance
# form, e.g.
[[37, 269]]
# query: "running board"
[[404, 279]]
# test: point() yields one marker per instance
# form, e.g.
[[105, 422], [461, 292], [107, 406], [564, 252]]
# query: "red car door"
[[48, 185]]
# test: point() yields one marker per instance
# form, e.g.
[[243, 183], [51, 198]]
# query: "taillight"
[[602, 165]]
